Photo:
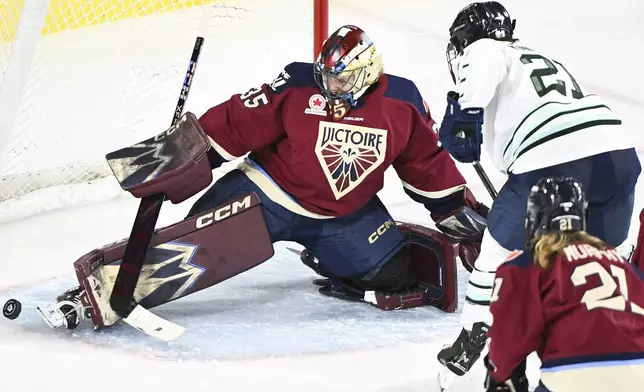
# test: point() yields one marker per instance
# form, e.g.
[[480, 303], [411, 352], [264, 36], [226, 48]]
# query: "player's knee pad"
[[482, 277], [481, 282], [183, 258], [491, 255]]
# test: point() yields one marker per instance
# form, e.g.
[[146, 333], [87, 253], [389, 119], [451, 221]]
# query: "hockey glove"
[[468, 252], [518, 381], [460, 132], [465, 225]]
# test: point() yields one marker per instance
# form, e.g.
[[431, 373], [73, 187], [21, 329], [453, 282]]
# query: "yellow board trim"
[[71, 14]]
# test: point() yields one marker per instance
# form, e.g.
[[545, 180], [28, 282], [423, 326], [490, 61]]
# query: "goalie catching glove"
[[173, 163], [465, 226]]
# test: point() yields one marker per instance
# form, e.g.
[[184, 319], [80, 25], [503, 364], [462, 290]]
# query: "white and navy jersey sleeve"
[[479, 72]]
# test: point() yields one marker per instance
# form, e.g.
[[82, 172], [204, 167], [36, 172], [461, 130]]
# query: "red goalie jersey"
[[584, 316], [332, 160]]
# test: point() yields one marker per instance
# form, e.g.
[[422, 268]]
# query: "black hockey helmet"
[[488, 19], [555, 204]]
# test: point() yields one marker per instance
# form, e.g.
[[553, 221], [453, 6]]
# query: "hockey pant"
[[342, 244], [609, 182], [366, 247]]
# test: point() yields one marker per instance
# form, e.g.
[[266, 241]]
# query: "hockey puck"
[[12, 309]]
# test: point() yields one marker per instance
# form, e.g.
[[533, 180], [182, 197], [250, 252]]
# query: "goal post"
[[81, 78]]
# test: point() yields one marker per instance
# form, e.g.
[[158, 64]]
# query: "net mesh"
[[87, 77]]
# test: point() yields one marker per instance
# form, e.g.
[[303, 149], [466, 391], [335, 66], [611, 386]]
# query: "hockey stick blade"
[[43, 315], [297, 252], [122, 297], [445, 378], [153, 325]]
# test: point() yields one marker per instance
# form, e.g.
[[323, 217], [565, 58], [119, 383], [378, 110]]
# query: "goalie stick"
[[122, 298]]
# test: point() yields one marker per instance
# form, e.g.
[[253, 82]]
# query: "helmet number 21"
[[551, 68]]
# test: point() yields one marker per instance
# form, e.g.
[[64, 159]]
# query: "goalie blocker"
[[213, 246]]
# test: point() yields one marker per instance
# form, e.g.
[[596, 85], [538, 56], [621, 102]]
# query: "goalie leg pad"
[[183, 258], [432, 261]]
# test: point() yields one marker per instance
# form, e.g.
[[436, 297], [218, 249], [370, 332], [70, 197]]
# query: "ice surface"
[[273, 310], [268, 329]]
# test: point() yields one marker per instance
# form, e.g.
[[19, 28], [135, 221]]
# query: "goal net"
[[81, 78]]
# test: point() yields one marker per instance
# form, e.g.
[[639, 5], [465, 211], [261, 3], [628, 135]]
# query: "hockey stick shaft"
[[486, 180], [122, 298]]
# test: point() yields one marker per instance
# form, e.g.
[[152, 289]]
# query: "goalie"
[[320, 137]]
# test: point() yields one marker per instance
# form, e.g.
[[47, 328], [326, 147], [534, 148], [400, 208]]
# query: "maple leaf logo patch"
[[348, 153]]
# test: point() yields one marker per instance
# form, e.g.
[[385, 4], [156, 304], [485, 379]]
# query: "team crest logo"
[[317, 103], [348, 153]]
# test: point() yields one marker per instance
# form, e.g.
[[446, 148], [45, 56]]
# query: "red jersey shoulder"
[[270, 94]]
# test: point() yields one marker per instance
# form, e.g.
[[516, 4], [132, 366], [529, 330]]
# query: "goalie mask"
[[555, 204], [347, 65], [487, 19]]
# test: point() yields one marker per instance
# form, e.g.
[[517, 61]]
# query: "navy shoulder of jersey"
[[519, 258], [405, 90], [295, 74]]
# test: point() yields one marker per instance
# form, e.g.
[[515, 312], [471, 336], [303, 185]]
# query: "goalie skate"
[[67, 311]]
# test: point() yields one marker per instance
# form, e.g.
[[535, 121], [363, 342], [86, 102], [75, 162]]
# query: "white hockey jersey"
[[535, 113]]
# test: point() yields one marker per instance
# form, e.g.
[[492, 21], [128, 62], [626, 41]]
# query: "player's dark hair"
[[547, 246]]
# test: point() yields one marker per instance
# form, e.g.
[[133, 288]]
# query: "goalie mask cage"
[[81, 78]]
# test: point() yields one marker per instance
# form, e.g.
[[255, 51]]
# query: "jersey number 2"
[[551, 69], [602, 295]]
